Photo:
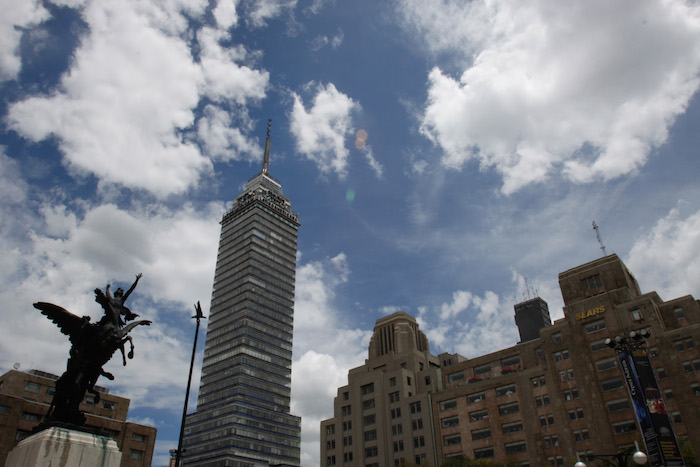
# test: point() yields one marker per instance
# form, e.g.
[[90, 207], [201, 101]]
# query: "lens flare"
[[360, 139], [350, 195]]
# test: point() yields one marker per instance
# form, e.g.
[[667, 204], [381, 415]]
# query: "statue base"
[[56, 446]]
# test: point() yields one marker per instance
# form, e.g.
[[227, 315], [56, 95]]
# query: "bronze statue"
[[93, 344]]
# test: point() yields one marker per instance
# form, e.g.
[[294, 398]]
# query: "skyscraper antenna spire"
[[600, 240], [266, 158]]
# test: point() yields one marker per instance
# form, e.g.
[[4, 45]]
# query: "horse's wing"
[[67, 322], [131, 326]]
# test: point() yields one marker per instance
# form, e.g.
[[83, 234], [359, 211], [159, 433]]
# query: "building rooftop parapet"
[[268, 199]]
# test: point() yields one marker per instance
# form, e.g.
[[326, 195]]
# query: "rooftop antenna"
[[266, 158], [527, 288], [600, 240]]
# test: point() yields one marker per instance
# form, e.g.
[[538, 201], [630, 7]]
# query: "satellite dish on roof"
[[16, 366]]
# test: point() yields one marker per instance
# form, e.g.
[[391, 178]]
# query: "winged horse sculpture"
[[92, 346]]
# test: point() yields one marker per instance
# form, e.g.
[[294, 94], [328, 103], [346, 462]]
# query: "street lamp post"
[[621, 458], [198, 315]]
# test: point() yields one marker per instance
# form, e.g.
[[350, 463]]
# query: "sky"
[[447, 159]]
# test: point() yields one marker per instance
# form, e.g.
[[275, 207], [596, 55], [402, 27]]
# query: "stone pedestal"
[[59, 447]]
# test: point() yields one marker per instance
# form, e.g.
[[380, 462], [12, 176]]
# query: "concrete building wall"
[[541, 402], [25, 399]]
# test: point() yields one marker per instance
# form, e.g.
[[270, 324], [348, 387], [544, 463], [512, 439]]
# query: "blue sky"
[[441, 154]]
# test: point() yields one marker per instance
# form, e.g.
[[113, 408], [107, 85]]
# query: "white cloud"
[[667, 259], [581, 89], [263, 10], [15, 18], [320, 133], [321, 340], [225, 13], [71, 254], [322, 41], [120, 115], [221, 139], [373, 162]]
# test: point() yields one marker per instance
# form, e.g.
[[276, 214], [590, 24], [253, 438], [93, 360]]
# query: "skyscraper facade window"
[[243, 417]]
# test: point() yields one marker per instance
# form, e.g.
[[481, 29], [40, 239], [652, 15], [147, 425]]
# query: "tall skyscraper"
[[531, 316], [242, 417]]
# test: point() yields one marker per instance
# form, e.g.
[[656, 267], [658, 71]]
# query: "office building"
[[540, 402], [243, 416], [531, 316], [25, 399]]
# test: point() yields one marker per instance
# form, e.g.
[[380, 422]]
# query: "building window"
[[451, 378], [478, 415], [483, 453], [32, 387], [624, 427], [510, 361], [695, 387], [481, 433], [369, 403], [394, 397], [347, 457], [448, 404], [330, 445], [369, 420], [636, 315], [4, 409], [512, 427], [370, 435], [139, 437], [676, 417], [330, 430], [367, 389], [346, 396], [550, 419], [347, 426], [617, 405], [505, 390], [481, 369], [592, 285], [417, 424], [678, 311], [654, 352], [585, 435], [396, 413], [476, 397], [451, 440], [668, 394], [371, 451], [450, 421], [396, 429], [543, 420], [515, 447], [398, 446], [595, 326], [556, 337], [346, 410], [108, 405], [538, 353], [606, 364], [136, 454], [30, 416], [415, 407], [419, 442], [506, 409], [661, 373], [330, 460], [347, 441], [597, 346]]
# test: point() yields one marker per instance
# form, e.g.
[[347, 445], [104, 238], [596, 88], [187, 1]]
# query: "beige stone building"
[[25, 399], [540, 402]]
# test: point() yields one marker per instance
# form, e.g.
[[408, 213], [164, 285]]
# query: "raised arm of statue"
[[133, 286]]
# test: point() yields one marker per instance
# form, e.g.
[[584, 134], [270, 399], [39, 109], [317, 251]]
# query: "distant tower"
[[531, 316], [242, 416]]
